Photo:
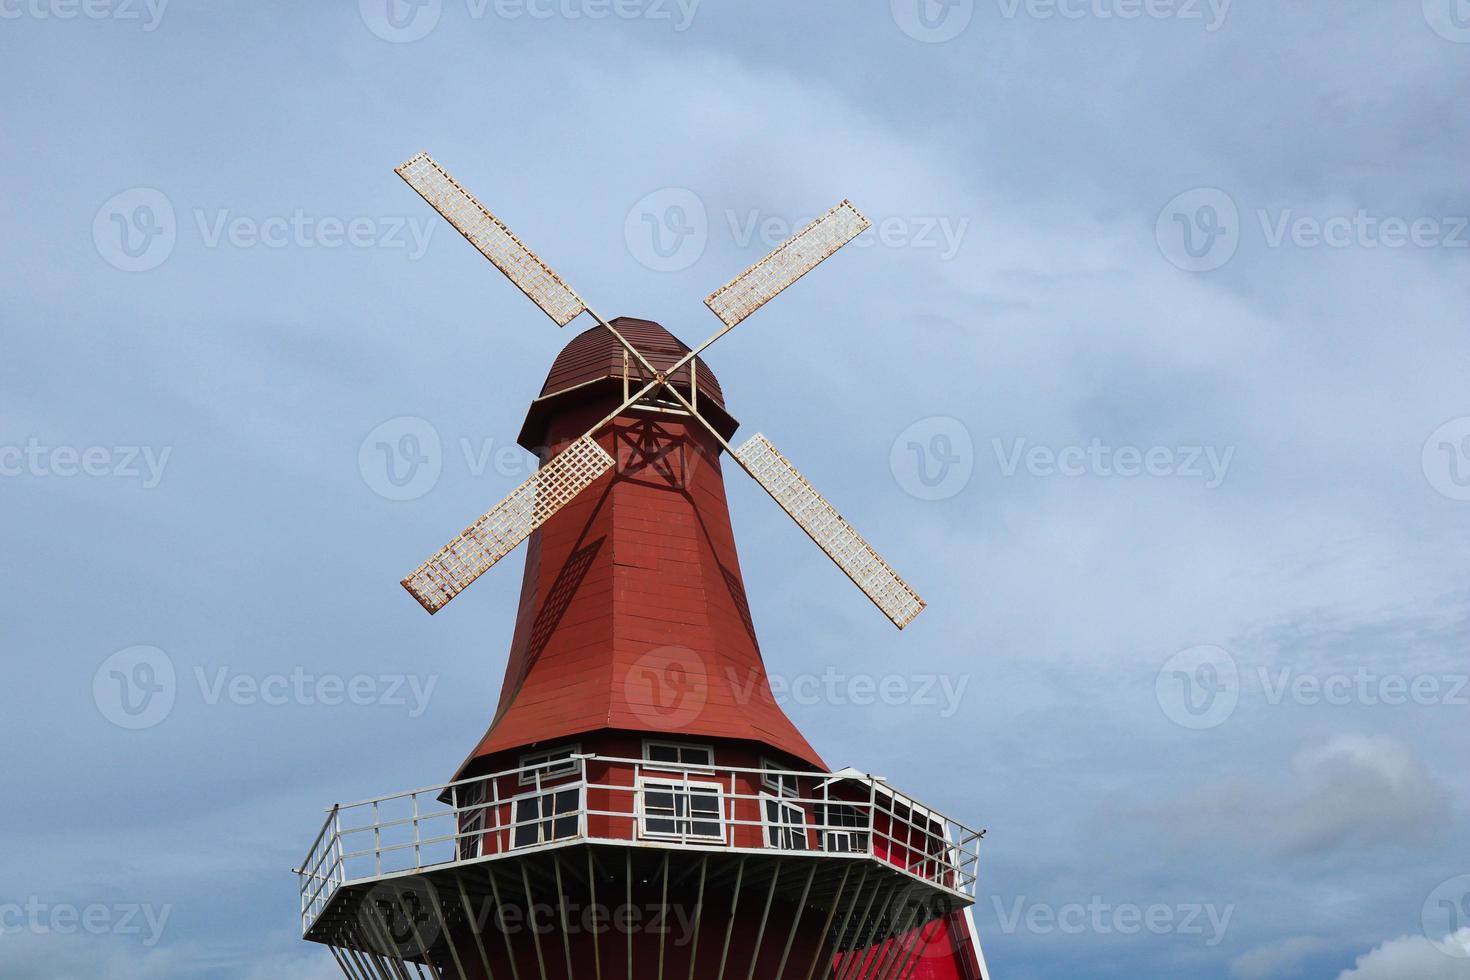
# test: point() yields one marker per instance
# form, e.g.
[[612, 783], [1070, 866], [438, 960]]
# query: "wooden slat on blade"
[[827, 528], [792, 259], [510, 522], [494, 240]]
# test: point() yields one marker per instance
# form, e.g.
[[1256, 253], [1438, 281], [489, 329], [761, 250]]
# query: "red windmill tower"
[[640, 806]]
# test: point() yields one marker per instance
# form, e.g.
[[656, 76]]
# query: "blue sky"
[[1151, 377]]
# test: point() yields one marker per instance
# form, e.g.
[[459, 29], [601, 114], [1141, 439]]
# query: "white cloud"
[[1350, 791], [1412, 958], [1283, 959]]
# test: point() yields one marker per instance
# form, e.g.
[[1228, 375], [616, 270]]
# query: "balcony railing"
[[598, 799]]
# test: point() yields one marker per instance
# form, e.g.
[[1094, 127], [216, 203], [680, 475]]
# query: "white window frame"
[[785, 784], [681, 787], [550, 772], [784, 805], [471, 805], [652, 743], [516, 826], [853, 835]]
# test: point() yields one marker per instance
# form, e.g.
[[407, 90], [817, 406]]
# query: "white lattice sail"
[[507, 524], [792, 259], [494, 240], [839, 539]]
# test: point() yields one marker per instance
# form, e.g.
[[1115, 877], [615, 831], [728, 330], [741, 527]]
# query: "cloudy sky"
[[1151, 377]]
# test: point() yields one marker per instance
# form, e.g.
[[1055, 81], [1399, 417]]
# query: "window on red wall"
[[544, 817], [470, 800]]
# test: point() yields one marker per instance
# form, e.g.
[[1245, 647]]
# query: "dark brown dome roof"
[[595, 354], [591, 367]]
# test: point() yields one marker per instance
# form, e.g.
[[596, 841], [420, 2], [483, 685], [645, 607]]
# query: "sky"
[[1151, 376]]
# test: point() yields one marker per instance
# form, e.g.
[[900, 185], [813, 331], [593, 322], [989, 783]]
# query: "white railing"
[[611, 800]]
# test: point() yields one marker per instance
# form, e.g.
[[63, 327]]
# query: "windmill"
[[495, 534], [639, 771]]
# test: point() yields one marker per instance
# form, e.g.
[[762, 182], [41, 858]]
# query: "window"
[[550, 764], [679, 754], [835, 819], [470, 802], [683, 810], [785, 824], [545, 817], [780, 783]]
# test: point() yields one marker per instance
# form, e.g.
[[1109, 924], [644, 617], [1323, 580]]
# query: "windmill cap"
[[590, 368]]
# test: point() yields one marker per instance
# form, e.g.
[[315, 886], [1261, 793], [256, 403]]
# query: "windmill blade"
[[792, 259], [494, 240], [827, 528], [507, 524]]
